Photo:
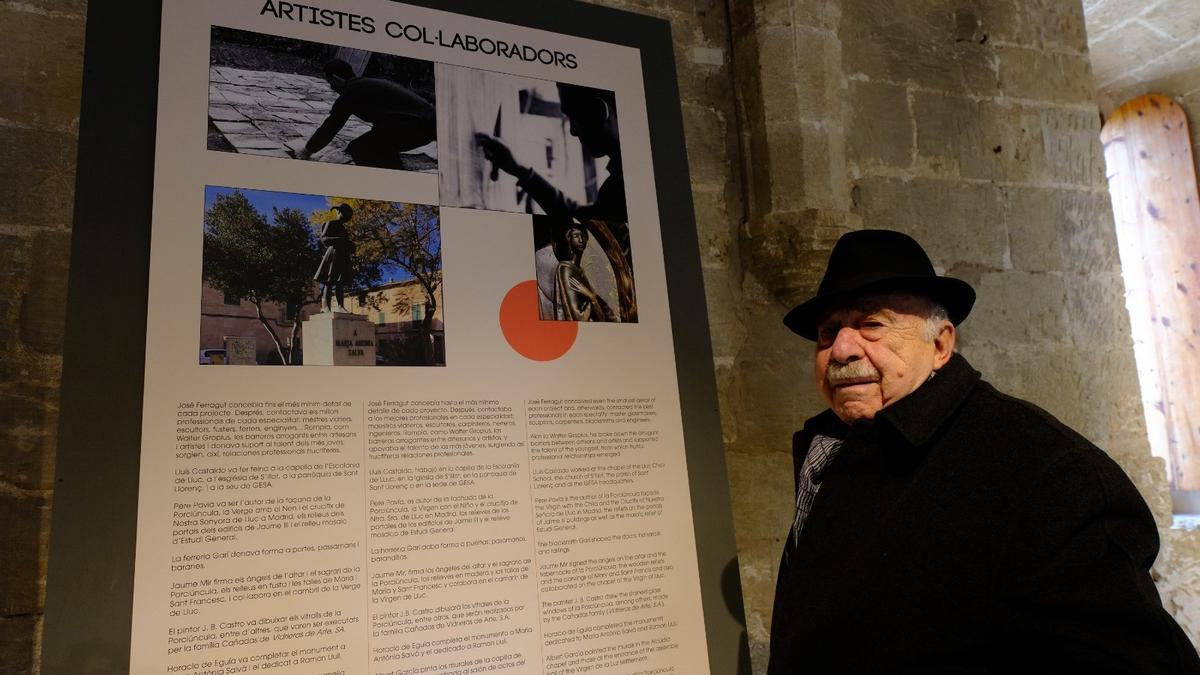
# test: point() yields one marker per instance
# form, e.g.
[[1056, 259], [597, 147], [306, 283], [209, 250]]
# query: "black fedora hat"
[[878, 261]]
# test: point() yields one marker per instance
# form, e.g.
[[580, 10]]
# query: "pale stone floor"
[[274, 114]]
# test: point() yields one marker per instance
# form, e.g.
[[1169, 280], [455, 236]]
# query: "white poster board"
[[504, 486]]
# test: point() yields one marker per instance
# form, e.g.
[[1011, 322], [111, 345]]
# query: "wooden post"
[[1152, 179]]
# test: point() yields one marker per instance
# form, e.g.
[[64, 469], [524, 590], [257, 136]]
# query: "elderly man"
[[942, 526]]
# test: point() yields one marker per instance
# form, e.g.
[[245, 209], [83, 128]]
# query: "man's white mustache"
[[837, 373]]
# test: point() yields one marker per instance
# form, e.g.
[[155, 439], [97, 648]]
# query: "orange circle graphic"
[[528, 335]]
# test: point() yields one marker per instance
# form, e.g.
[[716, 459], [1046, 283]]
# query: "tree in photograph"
[[246, 256], [296, 255], [260, 260], [406, 236]]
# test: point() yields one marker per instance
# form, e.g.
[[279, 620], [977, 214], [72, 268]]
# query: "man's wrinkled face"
[[875, 351]]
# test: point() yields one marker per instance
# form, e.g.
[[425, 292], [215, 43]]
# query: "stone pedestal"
[[338, 339]]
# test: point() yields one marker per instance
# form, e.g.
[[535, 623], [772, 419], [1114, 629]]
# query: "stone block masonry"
[[972, 126], [40, 71]]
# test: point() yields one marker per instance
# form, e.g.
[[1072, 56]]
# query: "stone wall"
[[40, 72], [971, 124], [1142, 47]]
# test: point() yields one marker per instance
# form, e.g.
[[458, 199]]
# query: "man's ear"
[[943, 345], [593, 110], [602, 110]]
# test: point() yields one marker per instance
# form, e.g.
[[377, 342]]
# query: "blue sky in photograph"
[[265, 200]]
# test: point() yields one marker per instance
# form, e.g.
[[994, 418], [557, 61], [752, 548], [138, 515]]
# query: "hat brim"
[[955, 295]]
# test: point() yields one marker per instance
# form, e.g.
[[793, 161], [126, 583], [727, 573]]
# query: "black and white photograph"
[[529, 146], [584, 270], [281, 97], [300, 279]]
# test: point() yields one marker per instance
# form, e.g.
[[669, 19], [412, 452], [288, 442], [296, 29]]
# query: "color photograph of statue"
[[579, 277], [272, 260]]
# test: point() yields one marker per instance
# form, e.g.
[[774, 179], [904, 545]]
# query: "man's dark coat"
[[965, 531]]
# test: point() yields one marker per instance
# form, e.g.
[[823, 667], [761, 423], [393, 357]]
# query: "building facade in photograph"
[[399, 311], [223, 317]]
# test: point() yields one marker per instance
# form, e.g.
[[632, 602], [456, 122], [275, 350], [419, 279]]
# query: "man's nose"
[[847, 346]]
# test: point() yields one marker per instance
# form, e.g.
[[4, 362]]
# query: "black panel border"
[[90, 590]]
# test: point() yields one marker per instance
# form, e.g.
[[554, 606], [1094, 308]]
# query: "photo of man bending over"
[[401, 119]]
